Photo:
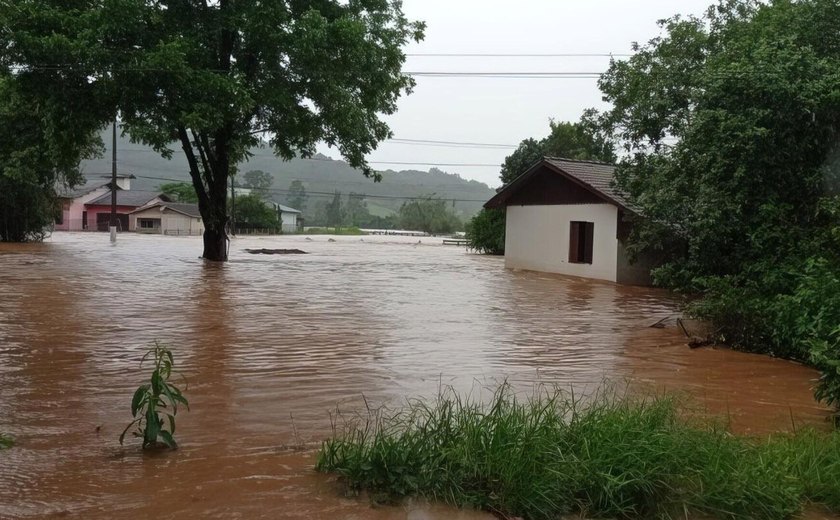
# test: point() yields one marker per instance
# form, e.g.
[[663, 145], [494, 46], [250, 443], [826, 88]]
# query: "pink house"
[[99, 210], [73, 216]]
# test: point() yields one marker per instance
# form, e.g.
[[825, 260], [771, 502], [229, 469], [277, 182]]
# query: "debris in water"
[[331, 240], [276, 251]]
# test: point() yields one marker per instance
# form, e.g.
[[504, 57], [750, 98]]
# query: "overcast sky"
[[503, 110]]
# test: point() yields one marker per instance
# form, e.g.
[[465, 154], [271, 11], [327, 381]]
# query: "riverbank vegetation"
[[730, 126], [604, 456]]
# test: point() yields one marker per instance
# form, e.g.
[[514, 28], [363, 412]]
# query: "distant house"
[[167, 218], [99, 210], [564, 216], [73, 215], [291, 220]]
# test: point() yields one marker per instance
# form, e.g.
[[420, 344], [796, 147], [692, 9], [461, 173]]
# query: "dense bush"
[[604, 456], [486, 232], [731, 125]]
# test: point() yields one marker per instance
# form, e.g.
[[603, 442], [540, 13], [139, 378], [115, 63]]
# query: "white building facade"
[[564, 217]]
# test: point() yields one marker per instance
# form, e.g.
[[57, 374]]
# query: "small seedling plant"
[[155, 400]]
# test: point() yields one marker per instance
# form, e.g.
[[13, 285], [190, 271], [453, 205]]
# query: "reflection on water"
[[271, 344]]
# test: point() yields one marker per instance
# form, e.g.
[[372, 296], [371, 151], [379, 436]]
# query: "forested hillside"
[[320, 175]]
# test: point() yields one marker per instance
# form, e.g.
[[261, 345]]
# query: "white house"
[[290, 218], [167, 218], [564, 216]]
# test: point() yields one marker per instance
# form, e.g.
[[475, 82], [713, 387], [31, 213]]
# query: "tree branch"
[[195, 172]]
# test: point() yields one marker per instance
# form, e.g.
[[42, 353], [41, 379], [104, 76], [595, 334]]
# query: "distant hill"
[[321, 176]]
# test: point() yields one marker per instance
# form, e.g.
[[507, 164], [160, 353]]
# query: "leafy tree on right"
[[730, 128]]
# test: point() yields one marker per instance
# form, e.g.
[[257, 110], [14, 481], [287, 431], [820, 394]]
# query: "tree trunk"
[[215, 218], [215, 245]]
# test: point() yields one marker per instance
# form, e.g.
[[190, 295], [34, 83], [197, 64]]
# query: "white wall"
[[171, 222], [537, 239], [288, 222]]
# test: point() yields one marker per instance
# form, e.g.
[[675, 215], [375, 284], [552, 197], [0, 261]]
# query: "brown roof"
[[190, 210], [134, 198], [596, 177]]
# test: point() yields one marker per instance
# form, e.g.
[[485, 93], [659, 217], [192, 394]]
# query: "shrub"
[[486, 232], [149, 399]]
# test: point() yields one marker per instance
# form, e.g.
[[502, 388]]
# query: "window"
[[148, 223], [580, 242]]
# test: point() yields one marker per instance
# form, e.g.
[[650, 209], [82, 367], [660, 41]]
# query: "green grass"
[[333, 231], [6, 442], [606, 456]]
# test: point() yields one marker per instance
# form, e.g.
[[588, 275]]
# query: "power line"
[[332, 194], [464, 144], [404, 163]]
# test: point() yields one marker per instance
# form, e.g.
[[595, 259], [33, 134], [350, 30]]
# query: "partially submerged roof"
[[286, 209], [92, 182], [190, 210], [134, 198], [594, 177], [82, 189]]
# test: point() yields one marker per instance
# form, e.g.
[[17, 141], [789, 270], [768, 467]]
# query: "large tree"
[[220, 76], [731, 126], [40, 150]]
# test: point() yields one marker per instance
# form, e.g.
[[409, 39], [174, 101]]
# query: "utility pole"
[[113, 227], [232, 208]]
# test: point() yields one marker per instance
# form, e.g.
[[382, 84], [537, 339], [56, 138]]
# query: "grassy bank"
[[606, 456], [334, 231]]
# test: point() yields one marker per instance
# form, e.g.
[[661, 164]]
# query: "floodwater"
[[271, 345]]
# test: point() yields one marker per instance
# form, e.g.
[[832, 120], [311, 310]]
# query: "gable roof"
[[190, 210], [595, 177], [285, 209], [82, 189], [129, 198]]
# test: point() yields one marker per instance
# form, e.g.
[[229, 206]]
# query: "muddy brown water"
[[271, 345]]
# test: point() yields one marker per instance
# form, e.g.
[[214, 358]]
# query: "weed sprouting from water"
[[608, 455], [156, 399], [6, 441]]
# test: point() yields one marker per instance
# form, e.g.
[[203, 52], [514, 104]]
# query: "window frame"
[[581, 242]]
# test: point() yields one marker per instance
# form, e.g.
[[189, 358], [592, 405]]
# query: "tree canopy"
[[730, 126], [431, 215], [218, 76], [180, 192], [583, 140], [40, 149], [258, 181]]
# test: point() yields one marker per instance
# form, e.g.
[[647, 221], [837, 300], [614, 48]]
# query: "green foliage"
[[253, 212], [180, 192], [6, 442], [486, 232], [219, 76], [603, 456], [38, 154], [431, 215], [583, 140], [297, 197], [730, 124], [258, 181], [154, 400]]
